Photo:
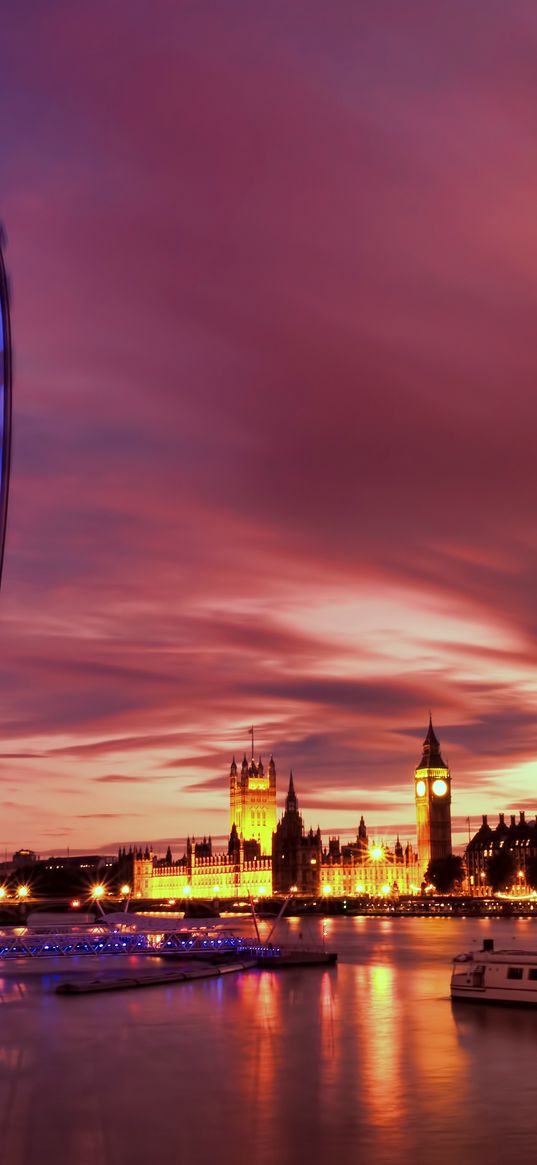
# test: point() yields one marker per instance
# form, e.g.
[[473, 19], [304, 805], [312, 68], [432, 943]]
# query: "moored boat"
[[495, 976]]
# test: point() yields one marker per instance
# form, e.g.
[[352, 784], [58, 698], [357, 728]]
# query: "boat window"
[[532, 973], [515, 972]]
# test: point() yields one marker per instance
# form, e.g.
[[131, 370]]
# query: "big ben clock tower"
[[432, 789]]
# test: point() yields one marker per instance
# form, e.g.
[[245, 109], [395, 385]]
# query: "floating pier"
[[87, 986]]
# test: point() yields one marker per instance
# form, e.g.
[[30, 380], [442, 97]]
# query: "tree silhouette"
[[445, 873], [501, 869]]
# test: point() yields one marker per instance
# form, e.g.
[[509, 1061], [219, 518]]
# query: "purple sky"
[[275, 302]]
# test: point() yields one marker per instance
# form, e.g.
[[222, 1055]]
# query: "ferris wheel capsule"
[[6, 373]]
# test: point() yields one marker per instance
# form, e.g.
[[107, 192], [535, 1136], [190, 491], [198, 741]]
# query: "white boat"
[[495, 976]]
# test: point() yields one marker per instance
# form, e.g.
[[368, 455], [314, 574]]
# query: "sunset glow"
[[274, 415]]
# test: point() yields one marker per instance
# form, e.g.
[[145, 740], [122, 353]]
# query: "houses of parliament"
[[266, 856]]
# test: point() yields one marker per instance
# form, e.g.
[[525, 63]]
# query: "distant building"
[[264, 856], [23, 857], [92, 863], [368, 867], [224, 875], [432, 791], [360, 867], [519, 838]]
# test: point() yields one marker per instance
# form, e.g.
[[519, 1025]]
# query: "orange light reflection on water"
[[260, 1003], [381, 1036]]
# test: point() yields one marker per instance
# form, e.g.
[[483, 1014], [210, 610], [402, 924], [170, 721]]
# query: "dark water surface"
[[368, 1061]]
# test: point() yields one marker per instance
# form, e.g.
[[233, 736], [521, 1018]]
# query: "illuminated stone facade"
[[368, 867], [223, 875], [264, 857], [361, 867], [252, 801], [432, 791], [246, 867]]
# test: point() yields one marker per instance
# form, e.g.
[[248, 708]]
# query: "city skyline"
[[273, 413], [386, 833]]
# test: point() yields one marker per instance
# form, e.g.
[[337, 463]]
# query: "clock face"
[[420, 788], [440, 787]]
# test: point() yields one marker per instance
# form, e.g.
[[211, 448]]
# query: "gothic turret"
[[252, 802], [234, 844], [291, 803], [296, 856]]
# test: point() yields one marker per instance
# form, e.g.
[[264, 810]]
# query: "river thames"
[[366, 1061]]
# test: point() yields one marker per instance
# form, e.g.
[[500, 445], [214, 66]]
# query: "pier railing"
[[27, 943]]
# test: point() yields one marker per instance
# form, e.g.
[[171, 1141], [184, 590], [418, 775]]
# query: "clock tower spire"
[[432, 790]]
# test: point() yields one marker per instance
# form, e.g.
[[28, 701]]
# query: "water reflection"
[[381, 1041], [328, 1012], [368, 1059]]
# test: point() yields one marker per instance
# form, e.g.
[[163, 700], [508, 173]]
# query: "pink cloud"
[[274, 325]]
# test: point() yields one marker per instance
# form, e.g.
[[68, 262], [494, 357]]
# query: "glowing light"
[[216, 889], [23, 891], [313, 861], [263, 890], [518, 897], [420, 788], [187, 891], [171, 901], [327, 890], [520, 874], [440, 787], [97, 891], [359, 888], [294, 889], [75, 903], [376, 852], [3, 892], [125, 889], [386, 890]]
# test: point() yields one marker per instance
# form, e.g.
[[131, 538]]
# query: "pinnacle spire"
[[431, 757], [291, 803]]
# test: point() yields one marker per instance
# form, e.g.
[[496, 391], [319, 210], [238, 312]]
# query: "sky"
[[274, 272]]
